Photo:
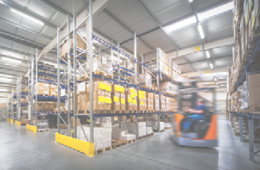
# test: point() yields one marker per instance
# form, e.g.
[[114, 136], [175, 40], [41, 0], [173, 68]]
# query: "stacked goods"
[[43, 106], [43, 89], [156, 104], [102, 136], [163, 62], [175, 71], [101, 96], [163, 104], [131, 98], [149, 100], [53, 90], [149, 130], [154, 125], [118, 97], [168, 87], [142, 100], [64, 47], [171, 104], [254, 90], [121, 134], [101, 67], [131, 128], [24, 100], [143, 80]]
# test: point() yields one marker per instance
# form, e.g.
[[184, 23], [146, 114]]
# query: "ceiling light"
[[27, 16], [8, 59], [181, 24], [5, 79], [215, 79], [5, 75], [211, 65], [3, 89], [201, 32], [215, 11], [190, 1], [207, 53]]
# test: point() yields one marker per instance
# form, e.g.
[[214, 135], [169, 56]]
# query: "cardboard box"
[[123, 101], [97, 85], [254, 96], [80, 43], [116, 101], [118, 88], [254, 81]]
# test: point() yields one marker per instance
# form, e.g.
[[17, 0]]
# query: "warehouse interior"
[[114, 84]]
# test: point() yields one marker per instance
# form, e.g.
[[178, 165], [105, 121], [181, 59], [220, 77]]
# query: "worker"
[[197, 114]]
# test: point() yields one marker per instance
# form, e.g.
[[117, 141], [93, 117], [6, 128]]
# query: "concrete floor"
[[25, 150]]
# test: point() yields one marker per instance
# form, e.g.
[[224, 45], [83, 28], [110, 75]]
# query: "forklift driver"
[[197, 114]]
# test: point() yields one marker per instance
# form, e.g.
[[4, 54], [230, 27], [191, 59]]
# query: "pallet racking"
[[121, 80]]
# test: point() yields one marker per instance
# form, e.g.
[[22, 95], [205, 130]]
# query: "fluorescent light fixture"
[[5, 79], [181, 24], [5, 75], [215, 79], [8, 59], [27, 16], [201, 32], [211, 65], [207, 53], [215, 11], [3, 89], [190, 1]]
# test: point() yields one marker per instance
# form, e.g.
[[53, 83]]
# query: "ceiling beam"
[[14, 58], [57, 8], [207, 59], [24, 28], [165, 31], [124, 26], [14, 5], [20, 40]]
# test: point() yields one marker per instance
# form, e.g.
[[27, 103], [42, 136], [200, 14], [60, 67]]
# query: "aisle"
[[24, 150]]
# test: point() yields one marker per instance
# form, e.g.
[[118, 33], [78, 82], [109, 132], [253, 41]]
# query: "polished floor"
[[24, 150]]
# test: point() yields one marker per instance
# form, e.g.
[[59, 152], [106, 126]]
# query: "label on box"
[[134, 101], [141, 94], [46, 85], [142, 103], [45, 92], [130, 100], [53, 86], [62, 92], [123, 101], [166, 68], [81, 87], [116, 99], [108, 100], [101, 99], [108, 88], [102, 85]]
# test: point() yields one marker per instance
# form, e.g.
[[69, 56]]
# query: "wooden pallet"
[[102, 150], [43, 130], [118, 143], [255, 109], [149, 135], [94, 111], [142, 137]]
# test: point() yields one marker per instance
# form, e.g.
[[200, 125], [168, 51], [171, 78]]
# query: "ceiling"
[[19, 36]]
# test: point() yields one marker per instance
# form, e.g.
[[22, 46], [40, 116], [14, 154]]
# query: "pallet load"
[[131, 128], [254, 93], [102, 136], [154, 125], [168, 88], [118, 98], [121, 134], [142, 101], [143, 80], [131, 99], [101, 97], [163, 103], [101, 67], [43, 89], [149, 101], [149, 130], [163, 62], [171, 104], [53, 90], [156, 103]]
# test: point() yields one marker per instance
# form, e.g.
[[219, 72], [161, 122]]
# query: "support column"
[[91, 69], [32, 86], [12, 104], [58, 76], [135, 56], [74, 78], [251, 137], [158, 87], [241, 127], [36, 84], [69, 75]]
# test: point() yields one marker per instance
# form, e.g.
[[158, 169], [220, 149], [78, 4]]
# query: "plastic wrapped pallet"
[[143, 80], [121, 134], [131, 128], [102, 136], [168, 87], [101, 66], [154, 125], [149, 130]]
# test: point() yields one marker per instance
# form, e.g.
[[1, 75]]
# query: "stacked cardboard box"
[[171, 104], [121, 134], [143, 80], [156, 103], [131, 128], [118, 97], [101, 96], [168, 87], [154, 125], [254, 90], [131, 98], [142, 100], [163, 102], [43, 88], [102, 136], [53, 90], [149, 100], [42, 106]]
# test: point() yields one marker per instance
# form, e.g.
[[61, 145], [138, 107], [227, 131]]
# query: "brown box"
[[48, 106], [80, 43], [254, 96], [116, 101], [118, 88], [98, 85], [254, 81], [122, 101]]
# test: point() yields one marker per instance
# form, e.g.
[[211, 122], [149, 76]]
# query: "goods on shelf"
[[43, 89], [149, 130], [163, 102], [102, 136], [131, 128], [150, 100], [118, 97], [131, 98], [154, 125], [121, 134], [53, 90], [171, 104], [254, 90], [101, 67], [143, 80], [156, 102], [168, 87], [142, 100]]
